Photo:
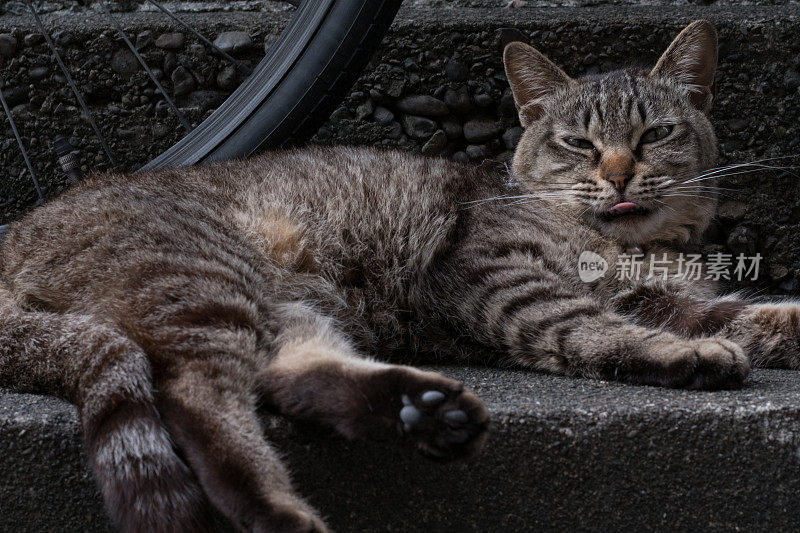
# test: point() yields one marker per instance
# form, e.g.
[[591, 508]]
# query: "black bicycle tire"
[[326, 46]]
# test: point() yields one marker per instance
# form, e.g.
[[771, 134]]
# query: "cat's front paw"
[[706, 363], [771, 333]]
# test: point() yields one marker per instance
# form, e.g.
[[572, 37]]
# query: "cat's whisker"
[[756, 162], [585, 210], [665, 204], [546, 195], [720, 176], [722, 172], [493, 198], [528, 200], [706, 187], [700, 196], [715, 172]]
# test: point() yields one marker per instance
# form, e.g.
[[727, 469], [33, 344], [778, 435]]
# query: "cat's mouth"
[[624, 211]]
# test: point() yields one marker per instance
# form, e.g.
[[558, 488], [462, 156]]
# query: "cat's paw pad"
[[445, 423], [707, 364]]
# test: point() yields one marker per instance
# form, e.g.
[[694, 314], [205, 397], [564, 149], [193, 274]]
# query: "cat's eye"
[[655, 134], [577, 142]]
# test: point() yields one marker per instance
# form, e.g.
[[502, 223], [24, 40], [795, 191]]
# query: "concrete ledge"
[[565, 455]]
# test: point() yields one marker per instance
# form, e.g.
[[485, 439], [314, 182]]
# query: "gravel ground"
[[435, 86]]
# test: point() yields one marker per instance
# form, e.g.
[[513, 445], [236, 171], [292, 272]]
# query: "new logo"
[[591, 266]]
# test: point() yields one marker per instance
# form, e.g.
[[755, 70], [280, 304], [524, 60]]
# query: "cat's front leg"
[[522, 308], [770, 332], [318, 375], [675, 307], [608, 346]]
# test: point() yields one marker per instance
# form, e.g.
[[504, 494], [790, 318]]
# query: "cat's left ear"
[[691, 60]]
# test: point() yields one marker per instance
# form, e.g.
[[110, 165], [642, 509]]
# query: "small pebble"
[[512, 136], [171, 41], [63, 37], [483, 100], [479, 130], [37, 73], [418, 127], [461, 157], [32, 39], [422, 105], [182, 81], [737, 124], [366, 109], [124, 63], [435, 144], [8, 45], [144, 39], [382, 115], [458, 100], [226, 79], [456, 71], [233, 41], [476, 152]]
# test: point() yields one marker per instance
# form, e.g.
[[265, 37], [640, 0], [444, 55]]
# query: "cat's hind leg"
[[318, 375], [145, 485], [206, 395]]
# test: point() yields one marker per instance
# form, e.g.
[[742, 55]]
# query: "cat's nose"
[[616, 166], [619, 180]]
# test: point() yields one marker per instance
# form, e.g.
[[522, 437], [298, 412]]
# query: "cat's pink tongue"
[[623, 207]]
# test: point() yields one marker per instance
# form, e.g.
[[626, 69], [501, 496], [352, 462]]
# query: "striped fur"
[[145, 485], [170, 306]]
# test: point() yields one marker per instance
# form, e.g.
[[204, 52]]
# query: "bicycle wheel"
[[293, 90], [287, 96]]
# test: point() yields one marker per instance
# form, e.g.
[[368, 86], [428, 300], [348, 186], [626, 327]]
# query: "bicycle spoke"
[[19, 142], [72, 85], [241, 66], [140, 59]]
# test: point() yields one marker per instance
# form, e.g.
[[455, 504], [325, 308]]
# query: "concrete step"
[[564, 455]]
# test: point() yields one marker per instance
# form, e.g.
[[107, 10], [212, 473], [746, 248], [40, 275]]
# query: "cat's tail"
[[145, 485]]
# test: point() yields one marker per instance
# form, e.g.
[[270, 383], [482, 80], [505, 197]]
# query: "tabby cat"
[[170, 305]]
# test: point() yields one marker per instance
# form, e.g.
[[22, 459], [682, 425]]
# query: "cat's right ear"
[[691, 60], [532, 77]]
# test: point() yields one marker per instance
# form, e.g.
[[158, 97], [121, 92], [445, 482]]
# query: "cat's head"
[[618, 149]]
